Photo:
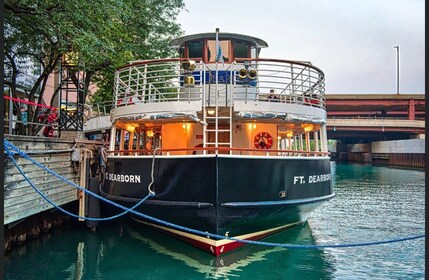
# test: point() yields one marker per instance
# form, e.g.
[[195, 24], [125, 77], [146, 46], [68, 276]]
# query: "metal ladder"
[[212, 132]]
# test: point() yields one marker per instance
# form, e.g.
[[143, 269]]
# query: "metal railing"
[[218, 150], [163, 80], [100, 109], [47, 120]]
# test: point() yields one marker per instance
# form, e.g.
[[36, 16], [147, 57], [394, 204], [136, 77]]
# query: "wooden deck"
[[20, 199]]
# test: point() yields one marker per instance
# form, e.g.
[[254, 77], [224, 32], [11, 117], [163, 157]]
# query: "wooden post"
[[83, 180]]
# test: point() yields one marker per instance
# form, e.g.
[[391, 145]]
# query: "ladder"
[[218, 131]]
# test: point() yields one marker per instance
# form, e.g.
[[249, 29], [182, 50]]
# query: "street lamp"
[[397, 68]]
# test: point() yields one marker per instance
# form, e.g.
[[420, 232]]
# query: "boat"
[[229, 143]]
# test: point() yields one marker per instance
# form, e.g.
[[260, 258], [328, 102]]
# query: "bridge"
[[362, 118], [377, 128]]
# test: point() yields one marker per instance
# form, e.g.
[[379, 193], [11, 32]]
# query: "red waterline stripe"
[[29, 102]]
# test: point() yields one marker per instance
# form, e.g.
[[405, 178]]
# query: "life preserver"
[[263, 140]]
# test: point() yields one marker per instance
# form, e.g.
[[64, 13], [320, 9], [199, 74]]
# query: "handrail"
[[214, 149], [143, 62], [298, 82]]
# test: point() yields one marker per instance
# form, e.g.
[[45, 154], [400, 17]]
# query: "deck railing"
[[217, 150], [163, 80], [100, 109]]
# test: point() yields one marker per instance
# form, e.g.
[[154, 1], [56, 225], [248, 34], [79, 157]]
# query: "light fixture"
[[210, 111], [130, 127], [149, 133], [308, 127]]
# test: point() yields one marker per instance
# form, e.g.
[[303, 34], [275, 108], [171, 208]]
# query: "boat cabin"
[[219, 96]]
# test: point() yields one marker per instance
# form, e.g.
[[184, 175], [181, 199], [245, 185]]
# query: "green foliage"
[[106, 35]]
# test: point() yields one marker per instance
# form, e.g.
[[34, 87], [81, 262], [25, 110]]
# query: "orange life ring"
[[263, 140]]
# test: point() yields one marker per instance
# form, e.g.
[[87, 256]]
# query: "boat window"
[[211, 50], [182, 52], [195, 49], [241, 49]]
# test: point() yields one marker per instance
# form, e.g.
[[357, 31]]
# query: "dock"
[[26, 212]]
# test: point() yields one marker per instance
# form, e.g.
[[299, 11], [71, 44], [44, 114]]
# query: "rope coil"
[[9, 147]]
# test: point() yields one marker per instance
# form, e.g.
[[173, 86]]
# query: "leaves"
[[106, 34]]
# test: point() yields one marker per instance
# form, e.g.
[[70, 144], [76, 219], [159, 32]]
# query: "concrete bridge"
[[382, 128], [362, 118]]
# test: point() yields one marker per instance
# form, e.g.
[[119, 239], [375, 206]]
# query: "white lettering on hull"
[[123, 178], [312, 179], [319, 178]]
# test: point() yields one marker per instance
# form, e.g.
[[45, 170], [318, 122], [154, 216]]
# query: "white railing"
[[162, 80]]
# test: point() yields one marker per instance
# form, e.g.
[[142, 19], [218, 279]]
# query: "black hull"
[[222, 194]]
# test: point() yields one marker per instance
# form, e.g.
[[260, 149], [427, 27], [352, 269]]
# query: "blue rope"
[[9, 146]]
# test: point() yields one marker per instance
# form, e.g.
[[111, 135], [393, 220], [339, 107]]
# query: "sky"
[[351, 41]]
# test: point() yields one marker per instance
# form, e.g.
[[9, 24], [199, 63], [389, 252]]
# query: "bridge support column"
[[411, 110]]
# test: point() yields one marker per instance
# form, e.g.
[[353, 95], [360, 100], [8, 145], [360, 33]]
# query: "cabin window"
[[241, 49], [195, 49], [211, 50], [182, 52]]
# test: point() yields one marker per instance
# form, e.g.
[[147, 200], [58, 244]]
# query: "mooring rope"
[[9, 146], [152, 173]]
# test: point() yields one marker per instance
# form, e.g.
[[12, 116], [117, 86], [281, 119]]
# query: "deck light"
[[130, 127], [149, 133], [308, 127]]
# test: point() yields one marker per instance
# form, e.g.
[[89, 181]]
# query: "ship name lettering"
[[123, 178], [298, 180], [319, 178]]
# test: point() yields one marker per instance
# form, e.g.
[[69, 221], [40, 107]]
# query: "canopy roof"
[[258, 43]]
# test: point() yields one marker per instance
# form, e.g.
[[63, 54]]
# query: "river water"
[[371, 204]]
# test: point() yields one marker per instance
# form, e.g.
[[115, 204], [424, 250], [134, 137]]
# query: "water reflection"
[[129, 251], [253, 259]]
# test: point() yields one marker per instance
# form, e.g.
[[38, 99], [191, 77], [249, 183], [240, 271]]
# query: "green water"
[[372, 203]]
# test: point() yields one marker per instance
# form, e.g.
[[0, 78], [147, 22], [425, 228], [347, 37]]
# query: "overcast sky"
[[351, 41]]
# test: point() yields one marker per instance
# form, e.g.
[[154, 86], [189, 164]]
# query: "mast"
[[218, 56]]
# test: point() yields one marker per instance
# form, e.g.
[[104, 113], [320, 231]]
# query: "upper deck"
[[211, 74]]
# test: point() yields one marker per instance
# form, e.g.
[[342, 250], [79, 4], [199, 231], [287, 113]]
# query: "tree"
[[105, 34]]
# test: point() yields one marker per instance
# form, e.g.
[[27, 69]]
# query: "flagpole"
[[216, 89]]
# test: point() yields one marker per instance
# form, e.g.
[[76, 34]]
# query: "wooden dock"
[[20, 199], [27, 213]]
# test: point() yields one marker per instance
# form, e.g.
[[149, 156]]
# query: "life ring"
[[263, 140]]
